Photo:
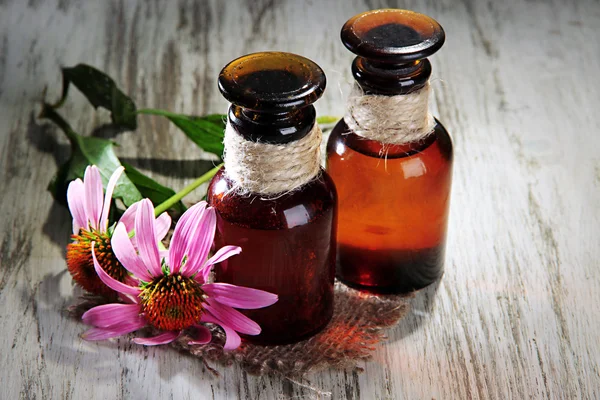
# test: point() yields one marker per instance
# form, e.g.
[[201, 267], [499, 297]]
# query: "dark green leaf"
[[101, 91], [218, 119], [151, 189], [207, 131], [65, 174], [88, 151]]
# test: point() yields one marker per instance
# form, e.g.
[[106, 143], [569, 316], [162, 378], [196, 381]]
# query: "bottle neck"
[[271, 169], [270, 127], [390, 103], [390, 79]]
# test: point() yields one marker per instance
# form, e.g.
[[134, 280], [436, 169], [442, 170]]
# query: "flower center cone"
[[81, 266], [172, 302]]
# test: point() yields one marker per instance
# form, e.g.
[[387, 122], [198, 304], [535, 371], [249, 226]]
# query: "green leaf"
[[132, 185], [151, 189], [327, 119], [207, 131], [88, 151], [101, 91]]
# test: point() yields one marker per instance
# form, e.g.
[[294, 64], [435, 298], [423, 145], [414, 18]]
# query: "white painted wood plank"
[[515, 315]]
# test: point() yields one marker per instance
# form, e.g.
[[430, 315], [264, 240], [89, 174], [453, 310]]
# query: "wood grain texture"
[[516, 314]]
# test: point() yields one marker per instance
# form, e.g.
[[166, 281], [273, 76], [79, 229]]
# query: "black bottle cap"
[[392, 36], [272, 82]]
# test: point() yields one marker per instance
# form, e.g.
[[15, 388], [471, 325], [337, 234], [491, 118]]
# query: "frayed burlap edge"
[[356, 329]]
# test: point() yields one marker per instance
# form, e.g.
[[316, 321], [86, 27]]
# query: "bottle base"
[[388, 290], [389, 271]]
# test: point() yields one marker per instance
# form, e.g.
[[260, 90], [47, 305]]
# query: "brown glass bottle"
[[393, 199], [288, 240]]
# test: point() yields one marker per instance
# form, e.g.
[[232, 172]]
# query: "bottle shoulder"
[[343, 140], [299, 207]]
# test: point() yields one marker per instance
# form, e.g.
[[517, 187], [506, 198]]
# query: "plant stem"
[[156, 111], [327, 119], [164, 206]]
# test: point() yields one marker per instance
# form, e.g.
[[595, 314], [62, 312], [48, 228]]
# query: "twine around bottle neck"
[[399, 119], [271, 169]]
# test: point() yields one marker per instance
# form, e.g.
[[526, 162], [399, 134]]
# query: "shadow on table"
[[108, 131], [55, 345], [60, 327], [66, 348], [45, 138], [57, 226], [421, 308], [173, 168]]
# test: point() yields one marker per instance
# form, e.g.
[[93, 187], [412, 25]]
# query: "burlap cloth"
[[356, 329]]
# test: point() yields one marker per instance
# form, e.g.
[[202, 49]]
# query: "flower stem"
[[327, 119], [164, 206]]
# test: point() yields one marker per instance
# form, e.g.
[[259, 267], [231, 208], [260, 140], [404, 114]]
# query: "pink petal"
[[110, 281], [107, 315], [128, 217], [75, 199], [239, 296], [146, 238], [162, 224], [163, 338], [201, 242], [131, 280], [92, 183], [222, 254], [110, 188], [232, 340], [129, 299], [232, 318], [114, 331], [202, 336], [184, 230], [76, 227], [164, 254], [127, 255], [202, 276]]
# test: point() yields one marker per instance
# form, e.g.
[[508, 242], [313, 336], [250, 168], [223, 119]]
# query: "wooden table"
[[515, 316]]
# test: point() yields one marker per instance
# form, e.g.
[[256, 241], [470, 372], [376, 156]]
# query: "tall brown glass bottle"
[[393, 198], [287, 239]]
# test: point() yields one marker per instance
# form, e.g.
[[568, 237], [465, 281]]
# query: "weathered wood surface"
[[516, 314]]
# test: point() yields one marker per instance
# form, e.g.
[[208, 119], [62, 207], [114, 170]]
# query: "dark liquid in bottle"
[[288, 248], [393, 211]]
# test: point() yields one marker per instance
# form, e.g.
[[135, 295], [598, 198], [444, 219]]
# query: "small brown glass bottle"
[[280, 213], [393, 168]]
